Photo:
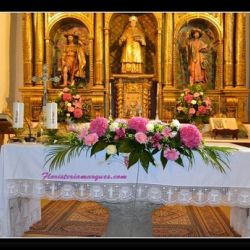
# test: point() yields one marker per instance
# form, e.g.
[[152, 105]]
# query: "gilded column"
[[168, 55], [39, 43], [240, 50], [119, 103], [107, 76], [228, 49], [28, 48], [99, 48]]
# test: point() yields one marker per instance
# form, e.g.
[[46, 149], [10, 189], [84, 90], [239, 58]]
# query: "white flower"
[[150, 127], [77, 96], [182, 94], [173, 134], [201, 93], [68, 114], [69, 105], [175, 123], [111, 149], [113, 126], [193, 102]]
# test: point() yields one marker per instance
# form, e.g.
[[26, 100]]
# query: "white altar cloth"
[[92, 178]]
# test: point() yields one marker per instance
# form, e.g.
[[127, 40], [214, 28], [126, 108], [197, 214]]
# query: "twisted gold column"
[[168, 55], [39, 43], [28, 48], [119, 104], [240, 51], [228, 49], [98, 48]]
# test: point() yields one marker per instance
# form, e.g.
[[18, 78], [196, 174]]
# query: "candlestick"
[[110, 101], [157, 101], [18, 114], [51, 115]]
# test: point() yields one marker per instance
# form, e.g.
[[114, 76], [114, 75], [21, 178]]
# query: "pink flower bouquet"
[[139, 140]]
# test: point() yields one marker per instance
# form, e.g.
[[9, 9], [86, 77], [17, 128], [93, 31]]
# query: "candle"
[[18, 114], [51, 114], [110, 101]]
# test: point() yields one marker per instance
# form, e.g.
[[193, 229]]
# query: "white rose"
[[111, 149], [201, 93], [175, 123], [150, 127], [173, 134], [193, 102], [113, 126], [68, 114], [69, 105]]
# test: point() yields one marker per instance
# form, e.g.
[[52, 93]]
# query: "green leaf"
[[180, 162], [145, 159], [126, 146], [99, 146], [155, 151], [133, 158], [107, 156], [164, 161]]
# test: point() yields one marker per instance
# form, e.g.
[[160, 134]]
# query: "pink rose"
[[171, 154], [191, 111], [141, 138], [71, 109], [179, 108], [83, 133], [202, 109], [91, 139], [166, 132], [65, 90], [188, 98], [77, 105], [78, 113], [196, 94], [67, 97]]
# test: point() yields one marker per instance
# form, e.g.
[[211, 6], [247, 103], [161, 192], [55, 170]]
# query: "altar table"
[[130, 194]]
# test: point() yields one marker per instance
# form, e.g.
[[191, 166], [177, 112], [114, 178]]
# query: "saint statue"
[[73, 59], [197, 59], [133, 39]]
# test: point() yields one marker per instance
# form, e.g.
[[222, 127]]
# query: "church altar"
[[130, 194]]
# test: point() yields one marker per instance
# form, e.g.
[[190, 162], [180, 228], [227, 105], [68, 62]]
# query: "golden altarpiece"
[[149, 83]]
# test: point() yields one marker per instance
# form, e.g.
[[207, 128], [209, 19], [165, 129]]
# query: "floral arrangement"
[[71, 106], [137, 140], [193, 106]]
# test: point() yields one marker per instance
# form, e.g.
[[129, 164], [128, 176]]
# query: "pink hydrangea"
[[78, 113], [99, 126], [67, 97], [138, 124], [190, 136], [91, 139], [141, 138], [171, 154]]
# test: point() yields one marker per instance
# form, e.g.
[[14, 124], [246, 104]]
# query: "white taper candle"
[[51, 114], [18, 114]]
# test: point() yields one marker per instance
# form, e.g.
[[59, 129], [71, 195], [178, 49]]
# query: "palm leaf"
[[57, 156]]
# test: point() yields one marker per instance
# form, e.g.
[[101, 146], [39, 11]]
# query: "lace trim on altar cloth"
[[113, 192]]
